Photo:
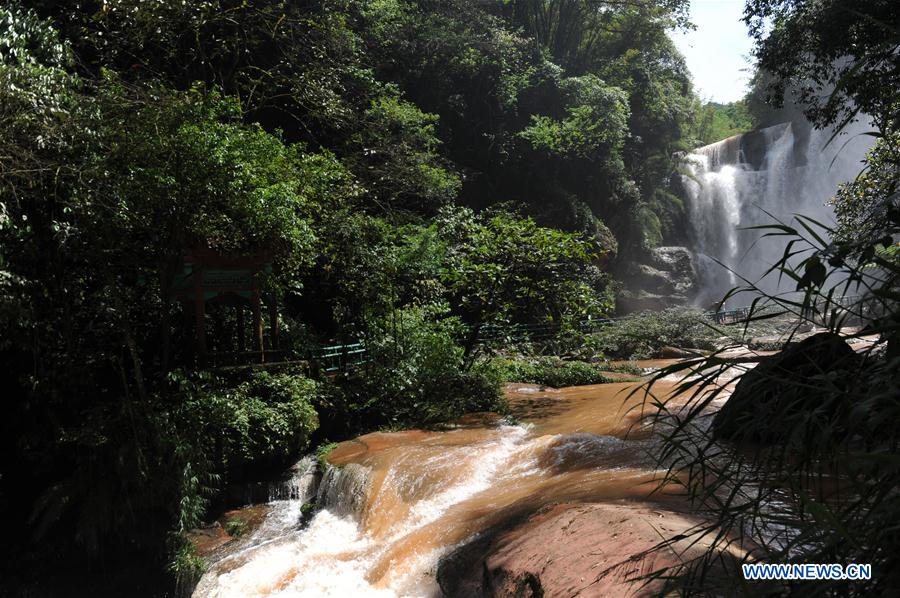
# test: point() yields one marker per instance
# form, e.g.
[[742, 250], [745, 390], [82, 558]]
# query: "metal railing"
[[343, 357], [339, 358]]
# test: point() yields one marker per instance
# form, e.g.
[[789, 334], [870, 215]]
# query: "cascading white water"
[[299, 486], [726, 193], [335, 553], [285, 510], [714, 211], [393, 505]]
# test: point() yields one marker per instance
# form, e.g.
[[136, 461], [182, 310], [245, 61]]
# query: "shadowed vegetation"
[[801, 465]]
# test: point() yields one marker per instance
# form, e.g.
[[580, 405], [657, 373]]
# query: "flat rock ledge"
[[569, 550]]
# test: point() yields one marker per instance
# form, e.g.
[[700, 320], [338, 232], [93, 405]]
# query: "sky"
[[718, 50]]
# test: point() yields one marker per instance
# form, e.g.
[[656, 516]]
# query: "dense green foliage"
[[720, 121], [417, 171], [867, 206], [503, 269], [643, 335], [838, 58], [415, 375], [266, 417], [550, 371]]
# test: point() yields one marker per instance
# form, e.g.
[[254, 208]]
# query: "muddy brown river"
[[392, 504]]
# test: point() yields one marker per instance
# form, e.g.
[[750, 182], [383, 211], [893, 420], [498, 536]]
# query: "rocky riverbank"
[[571, 549]]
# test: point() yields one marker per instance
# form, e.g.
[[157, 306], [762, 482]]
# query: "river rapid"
[[392, 504]]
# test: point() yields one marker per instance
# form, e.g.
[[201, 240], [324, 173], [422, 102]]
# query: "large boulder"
[[628, 302], [654, 281], [669, 279], [597, 549], [786, 392], [678, 265]]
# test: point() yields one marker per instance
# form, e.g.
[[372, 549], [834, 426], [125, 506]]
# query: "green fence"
[[343, 357], [339, 358]]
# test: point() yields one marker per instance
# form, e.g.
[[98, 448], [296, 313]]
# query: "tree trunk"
[[166, 280], [469, 347]]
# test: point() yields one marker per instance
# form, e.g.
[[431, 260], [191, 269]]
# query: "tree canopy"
[[839, 58], [417, 170]]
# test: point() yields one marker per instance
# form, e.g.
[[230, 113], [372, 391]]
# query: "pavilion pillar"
[[218, 344], [273, 323], [241, 343], [258, 327], [199, 316]]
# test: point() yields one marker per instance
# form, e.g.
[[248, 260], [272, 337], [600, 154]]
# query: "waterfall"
[[343, 489], [396, 511], [738, 182], [300, 485], [371, 534]]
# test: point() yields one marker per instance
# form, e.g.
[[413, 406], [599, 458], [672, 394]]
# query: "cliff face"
[[668, 278], [750, 149]]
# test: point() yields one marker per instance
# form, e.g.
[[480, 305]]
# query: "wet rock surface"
[[595, 549], [677, 264], [214, 541], [670, 278], [776, 391]]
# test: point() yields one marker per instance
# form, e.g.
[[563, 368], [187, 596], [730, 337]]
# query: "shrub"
[[550, 371], [322, 452], [235, 527], [264, 418], [274, 415], [643, 335], [417, 374], [186, 565]]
